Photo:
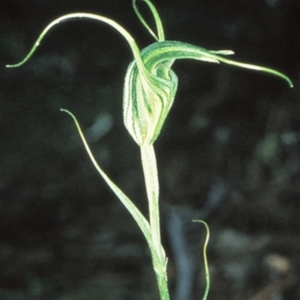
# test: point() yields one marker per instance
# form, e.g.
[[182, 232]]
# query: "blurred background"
[[228, 153]]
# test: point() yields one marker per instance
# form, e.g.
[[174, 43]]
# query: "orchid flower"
[[149, 90]]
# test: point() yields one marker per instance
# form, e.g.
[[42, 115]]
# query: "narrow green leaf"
[[206, 268], [134, 211]]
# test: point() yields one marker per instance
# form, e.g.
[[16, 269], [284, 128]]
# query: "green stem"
[[152, 187], [162, 282]]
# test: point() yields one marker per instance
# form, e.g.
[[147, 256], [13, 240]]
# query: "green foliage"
[[149, 90]]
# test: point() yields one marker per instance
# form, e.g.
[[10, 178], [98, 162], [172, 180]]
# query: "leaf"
[[134, 211]]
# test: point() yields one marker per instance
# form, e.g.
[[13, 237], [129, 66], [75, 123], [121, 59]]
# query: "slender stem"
[[151, 230], [162, 282], [152, 187]]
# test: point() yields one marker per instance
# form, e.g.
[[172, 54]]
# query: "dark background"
[[228, 153]]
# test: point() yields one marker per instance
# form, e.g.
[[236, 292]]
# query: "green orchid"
[[150, 84], [149, 90]]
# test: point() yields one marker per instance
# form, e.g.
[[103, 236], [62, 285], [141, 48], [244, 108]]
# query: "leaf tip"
[[11, 66], [66, 111]]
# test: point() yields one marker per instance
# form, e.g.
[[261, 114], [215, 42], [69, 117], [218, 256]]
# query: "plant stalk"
[[152, 188], [162, 282]]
